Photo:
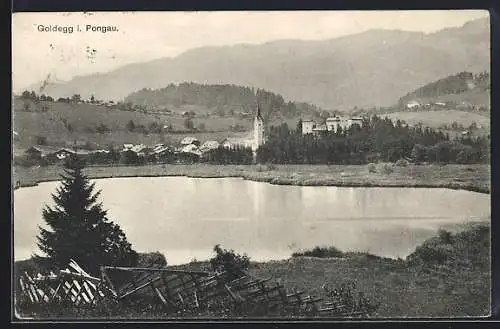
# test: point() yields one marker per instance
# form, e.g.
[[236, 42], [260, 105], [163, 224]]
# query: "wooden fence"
[[186, 293]]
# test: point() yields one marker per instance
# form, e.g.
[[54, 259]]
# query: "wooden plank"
[[233, 295], [109, 282], [38, 293], [180, 298], [165, 270], [160, 295], [55, 292], [21, 284], [67, 289], [197, 304], [83, 293], [139, 288], [73, 275]]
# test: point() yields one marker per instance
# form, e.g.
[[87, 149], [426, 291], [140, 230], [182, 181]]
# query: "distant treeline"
[[223, 98], [376, 140], [453, 84]]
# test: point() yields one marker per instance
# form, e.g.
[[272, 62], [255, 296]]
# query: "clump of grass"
[[260, 168], [386, 168], [271, 166], [401, 163], [372, 168]]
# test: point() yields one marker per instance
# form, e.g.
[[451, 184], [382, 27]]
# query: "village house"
[[208, 146], [332, 124], [190, 140], [412, 104], [235, 142]]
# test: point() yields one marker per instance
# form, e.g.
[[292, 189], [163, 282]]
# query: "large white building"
[[332, 124]]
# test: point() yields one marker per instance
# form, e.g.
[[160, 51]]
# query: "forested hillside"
[[461, 86], [220, 100]]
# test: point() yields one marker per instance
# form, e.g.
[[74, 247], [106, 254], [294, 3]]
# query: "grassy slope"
[[471, 177], [83, 116], [435, 119], [474, 96]]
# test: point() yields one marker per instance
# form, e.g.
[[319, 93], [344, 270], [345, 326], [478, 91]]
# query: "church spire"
[[258, 115]]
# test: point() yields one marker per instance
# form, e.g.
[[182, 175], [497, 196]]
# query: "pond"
[[185, 217]]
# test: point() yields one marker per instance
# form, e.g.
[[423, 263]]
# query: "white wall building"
[[332, 124]]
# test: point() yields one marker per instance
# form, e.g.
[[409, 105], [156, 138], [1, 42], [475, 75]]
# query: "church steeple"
[[258, 115]]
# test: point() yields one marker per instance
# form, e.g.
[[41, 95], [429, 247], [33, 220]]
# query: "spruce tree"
[[79, 229]]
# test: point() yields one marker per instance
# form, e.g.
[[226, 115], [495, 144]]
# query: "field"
[[474, 96], [468, 177], [435, 119]]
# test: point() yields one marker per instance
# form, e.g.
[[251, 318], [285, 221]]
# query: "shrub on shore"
[[229, 261], [321, 252], [386, 168], [402, 163], [446, 247]]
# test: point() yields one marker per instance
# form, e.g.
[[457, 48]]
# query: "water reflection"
[[185, 217]]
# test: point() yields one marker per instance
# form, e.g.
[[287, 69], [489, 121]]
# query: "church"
[[253, 140]]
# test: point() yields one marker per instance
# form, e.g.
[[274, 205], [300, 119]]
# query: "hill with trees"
[[464, 88], [222, 100]]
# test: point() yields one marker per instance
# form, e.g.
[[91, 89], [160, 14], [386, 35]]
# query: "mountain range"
[[373, 68]]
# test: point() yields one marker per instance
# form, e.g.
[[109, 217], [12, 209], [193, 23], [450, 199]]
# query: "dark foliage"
[[79, 229], [229, 261], [453, 84], [377, 140], [220, 97], [222, 155], [320, 252]]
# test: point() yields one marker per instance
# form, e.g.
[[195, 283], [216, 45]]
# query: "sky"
[[143, 36]]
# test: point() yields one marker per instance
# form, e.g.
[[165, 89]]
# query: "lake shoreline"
[[474, 178]]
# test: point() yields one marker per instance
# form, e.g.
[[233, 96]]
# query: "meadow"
[[467, 177]]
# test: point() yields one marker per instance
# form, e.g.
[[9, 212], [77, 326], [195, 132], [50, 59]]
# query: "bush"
[[445, 236], [261, 168], [372, 168], [229, 261], [271, 166], [386, 168], [402, 163], [320, 252], [150, 259]]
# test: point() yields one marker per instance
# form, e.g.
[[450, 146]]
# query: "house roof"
[[210, 144], [191, 148], [161, 150], [189, 140]]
